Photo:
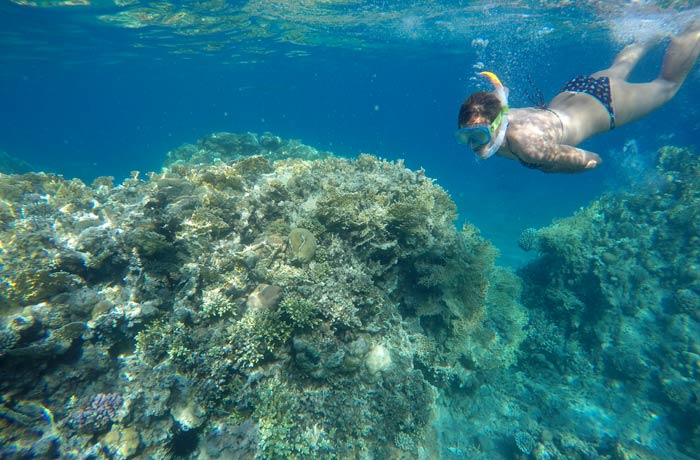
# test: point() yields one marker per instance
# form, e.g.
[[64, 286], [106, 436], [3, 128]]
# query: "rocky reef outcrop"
[[258, 299], [614, 333], [254, 299], [13, 165]]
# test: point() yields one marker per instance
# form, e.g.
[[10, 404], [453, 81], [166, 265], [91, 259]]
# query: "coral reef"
[[615, 321], [227, 147], [13, 165], [99, 413], [528, 239], [255, 299], [258, 299]]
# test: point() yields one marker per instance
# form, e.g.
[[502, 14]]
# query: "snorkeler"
[[545, 138]]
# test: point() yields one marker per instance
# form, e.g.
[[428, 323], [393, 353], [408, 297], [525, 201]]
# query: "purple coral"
[[99, 413]]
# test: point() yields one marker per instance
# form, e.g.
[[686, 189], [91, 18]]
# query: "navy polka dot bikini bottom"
[[599, 88]]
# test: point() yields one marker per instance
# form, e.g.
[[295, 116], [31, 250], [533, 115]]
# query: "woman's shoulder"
[[531, 117]]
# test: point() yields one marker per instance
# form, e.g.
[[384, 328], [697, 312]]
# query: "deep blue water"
[[83, 97], [609, 354]]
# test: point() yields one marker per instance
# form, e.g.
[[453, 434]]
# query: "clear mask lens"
[[475, 136]]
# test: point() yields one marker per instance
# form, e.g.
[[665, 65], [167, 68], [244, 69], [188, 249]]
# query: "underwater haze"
[[105, 88], [245, 230]]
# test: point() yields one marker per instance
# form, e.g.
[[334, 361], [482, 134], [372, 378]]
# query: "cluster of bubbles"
[[647, 22], [632, 168]]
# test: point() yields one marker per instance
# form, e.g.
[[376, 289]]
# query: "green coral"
[[216, 303], [619, 278], [301, 311], [281, 434], [252, 167], [322, 301], [619, 247], [165, 340], [259, 334], [227, 147], [302, 245]]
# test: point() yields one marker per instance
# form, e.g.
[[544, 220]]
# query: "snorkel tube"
[[501, 93]]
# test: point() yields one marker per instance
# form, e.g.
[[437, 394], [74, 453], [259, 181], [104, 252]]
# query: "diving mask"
[[478, 136]]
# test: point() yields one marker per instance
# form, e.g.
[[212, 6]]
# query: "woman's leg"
[[632, 101], [681, 56], [625, 61]]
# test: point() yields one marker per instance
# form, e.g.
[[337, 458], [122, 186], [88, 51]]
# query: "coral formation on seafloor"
[[614, 302], [257, 299], [254, 299], [13, 165]]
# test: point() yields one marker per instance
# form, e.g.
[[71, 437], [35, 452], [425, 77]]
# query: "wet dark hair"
[[481, 103]]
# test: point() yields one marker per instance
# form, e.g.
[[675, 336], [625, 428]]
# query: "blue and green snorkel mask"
[[478, 136]]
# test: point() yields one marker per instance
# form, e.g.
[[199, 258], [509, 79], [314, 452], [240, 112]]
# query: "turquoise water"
[[104, 88]]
